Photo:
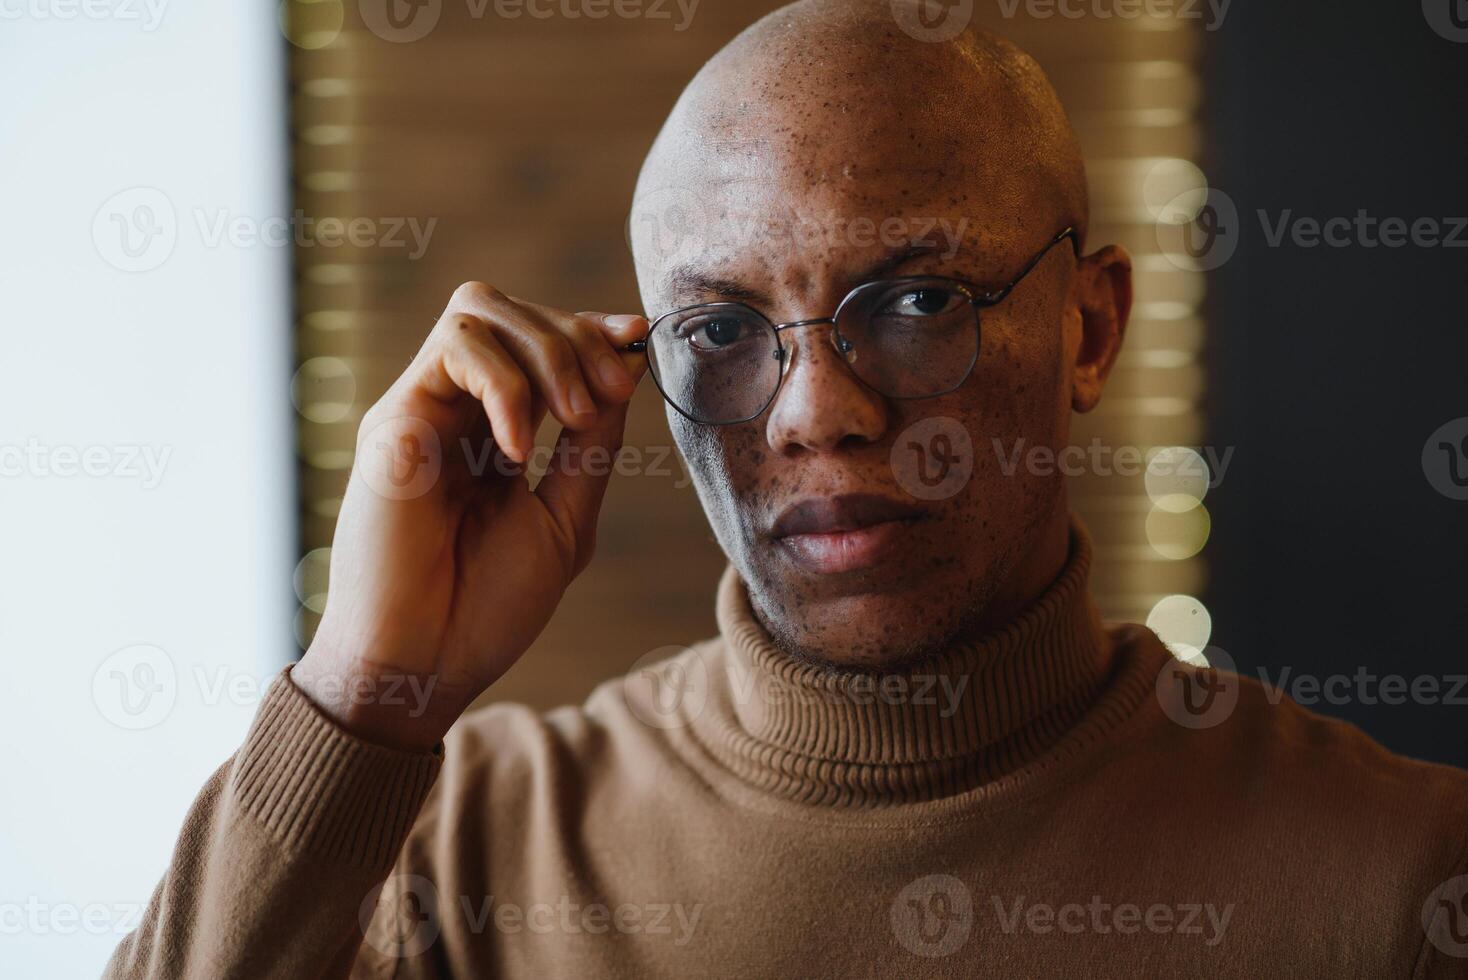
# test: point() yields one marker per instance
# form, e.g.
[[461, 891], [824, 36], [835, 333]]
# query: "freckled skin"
[[821, 114]]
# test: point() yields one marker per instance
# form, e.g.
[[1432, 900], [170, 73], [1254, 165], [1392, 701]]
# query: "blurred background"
[[230, 226]]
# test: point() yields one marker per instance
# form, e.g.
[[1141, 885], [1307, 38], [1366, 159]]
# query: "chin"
[[870, 631]]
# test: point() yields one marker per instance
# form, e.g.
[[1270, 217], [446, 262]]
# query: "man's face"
[[847, 513]]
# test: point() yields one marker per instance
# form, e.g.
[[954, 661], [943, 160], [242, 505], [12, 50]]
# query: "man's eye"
[[927, 301], [712, 333]]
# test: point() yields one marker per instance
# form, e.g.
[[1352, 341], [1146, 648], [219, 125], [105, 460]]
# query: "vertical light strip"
[[1145, 480], [331, 319]]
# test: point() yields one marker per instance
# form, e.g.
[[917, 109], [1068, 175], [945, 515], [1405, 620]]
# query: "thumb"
[[577, 477]]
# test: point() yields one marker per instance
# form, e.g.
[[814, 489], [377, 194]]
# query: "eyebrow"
[[686, 280]]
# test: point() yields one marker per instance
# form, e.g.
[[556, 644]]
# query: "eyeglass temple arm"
[[998, 295]]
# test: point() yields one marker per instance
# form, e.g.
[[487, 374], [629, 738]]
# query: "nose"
[[821, 406]]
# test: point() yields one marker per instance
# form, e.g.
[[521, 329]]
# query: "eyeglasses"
[[914, 337]]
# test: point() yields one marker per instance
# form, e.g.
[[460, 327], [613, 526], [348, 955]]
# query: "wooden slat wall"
[[523, 139]]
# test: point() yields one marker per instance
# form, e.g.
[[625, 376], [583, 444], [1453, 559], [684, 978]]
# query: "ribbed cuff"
[[321, 790]]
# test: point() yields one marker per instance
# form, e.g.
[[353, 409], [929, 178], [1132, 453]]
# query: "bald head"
[[835, 97]]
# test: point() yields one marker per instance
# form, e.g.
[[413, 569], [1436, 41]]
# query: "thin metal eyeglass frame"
[[979, 299]]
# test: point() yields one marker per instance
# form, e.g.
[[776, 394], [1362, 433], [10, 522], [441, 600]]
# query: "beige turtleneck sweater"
[[1024, 806]]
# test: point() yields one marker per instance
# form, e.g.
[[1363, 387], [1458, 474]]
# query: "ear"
[[1104, 295]]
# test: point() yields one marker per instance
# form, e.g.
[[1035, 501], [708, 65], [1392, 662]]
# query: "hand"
[[445, 566]]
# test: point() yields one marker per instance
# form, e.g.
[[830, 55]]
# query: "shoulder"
[[612, 750], [1252, 738], [1300, 783]]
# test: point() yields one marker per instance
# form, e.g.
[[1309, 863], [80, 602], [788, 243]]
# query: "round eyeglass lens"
[[910, 339], [717, 363]]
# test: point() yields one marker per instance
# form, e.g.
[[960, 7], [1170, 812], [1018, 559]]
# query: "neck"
[[970, 714], [1040, 564]]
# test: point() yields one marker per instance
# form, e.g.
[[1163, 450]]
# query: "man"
[[912, 749]]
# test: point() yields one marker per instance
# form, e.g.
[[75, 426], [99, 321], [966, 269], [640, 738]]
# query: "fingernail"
[[622, 321], [581, 402], [609, 368]]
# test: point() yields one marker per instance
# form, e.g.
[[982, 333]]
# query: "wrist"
[[391, 708]]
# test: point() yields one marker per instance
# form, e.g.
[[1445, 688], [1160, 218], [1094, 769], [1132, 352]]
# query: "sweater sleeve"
[[275, 872]]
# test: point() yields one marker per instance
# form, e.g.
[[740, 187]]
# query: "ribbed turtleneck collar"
[[967, 716]]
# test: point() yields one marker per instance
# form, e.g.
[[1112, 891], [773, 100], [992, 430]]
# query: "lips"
[[843, 533]]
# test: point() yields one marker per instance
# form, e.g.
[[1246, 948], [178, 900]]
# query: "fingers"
[[576, 481], [620, 329], [567, 357], [544, 354], [598, 339], [574, 484], [520, 360], [479, 365]]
